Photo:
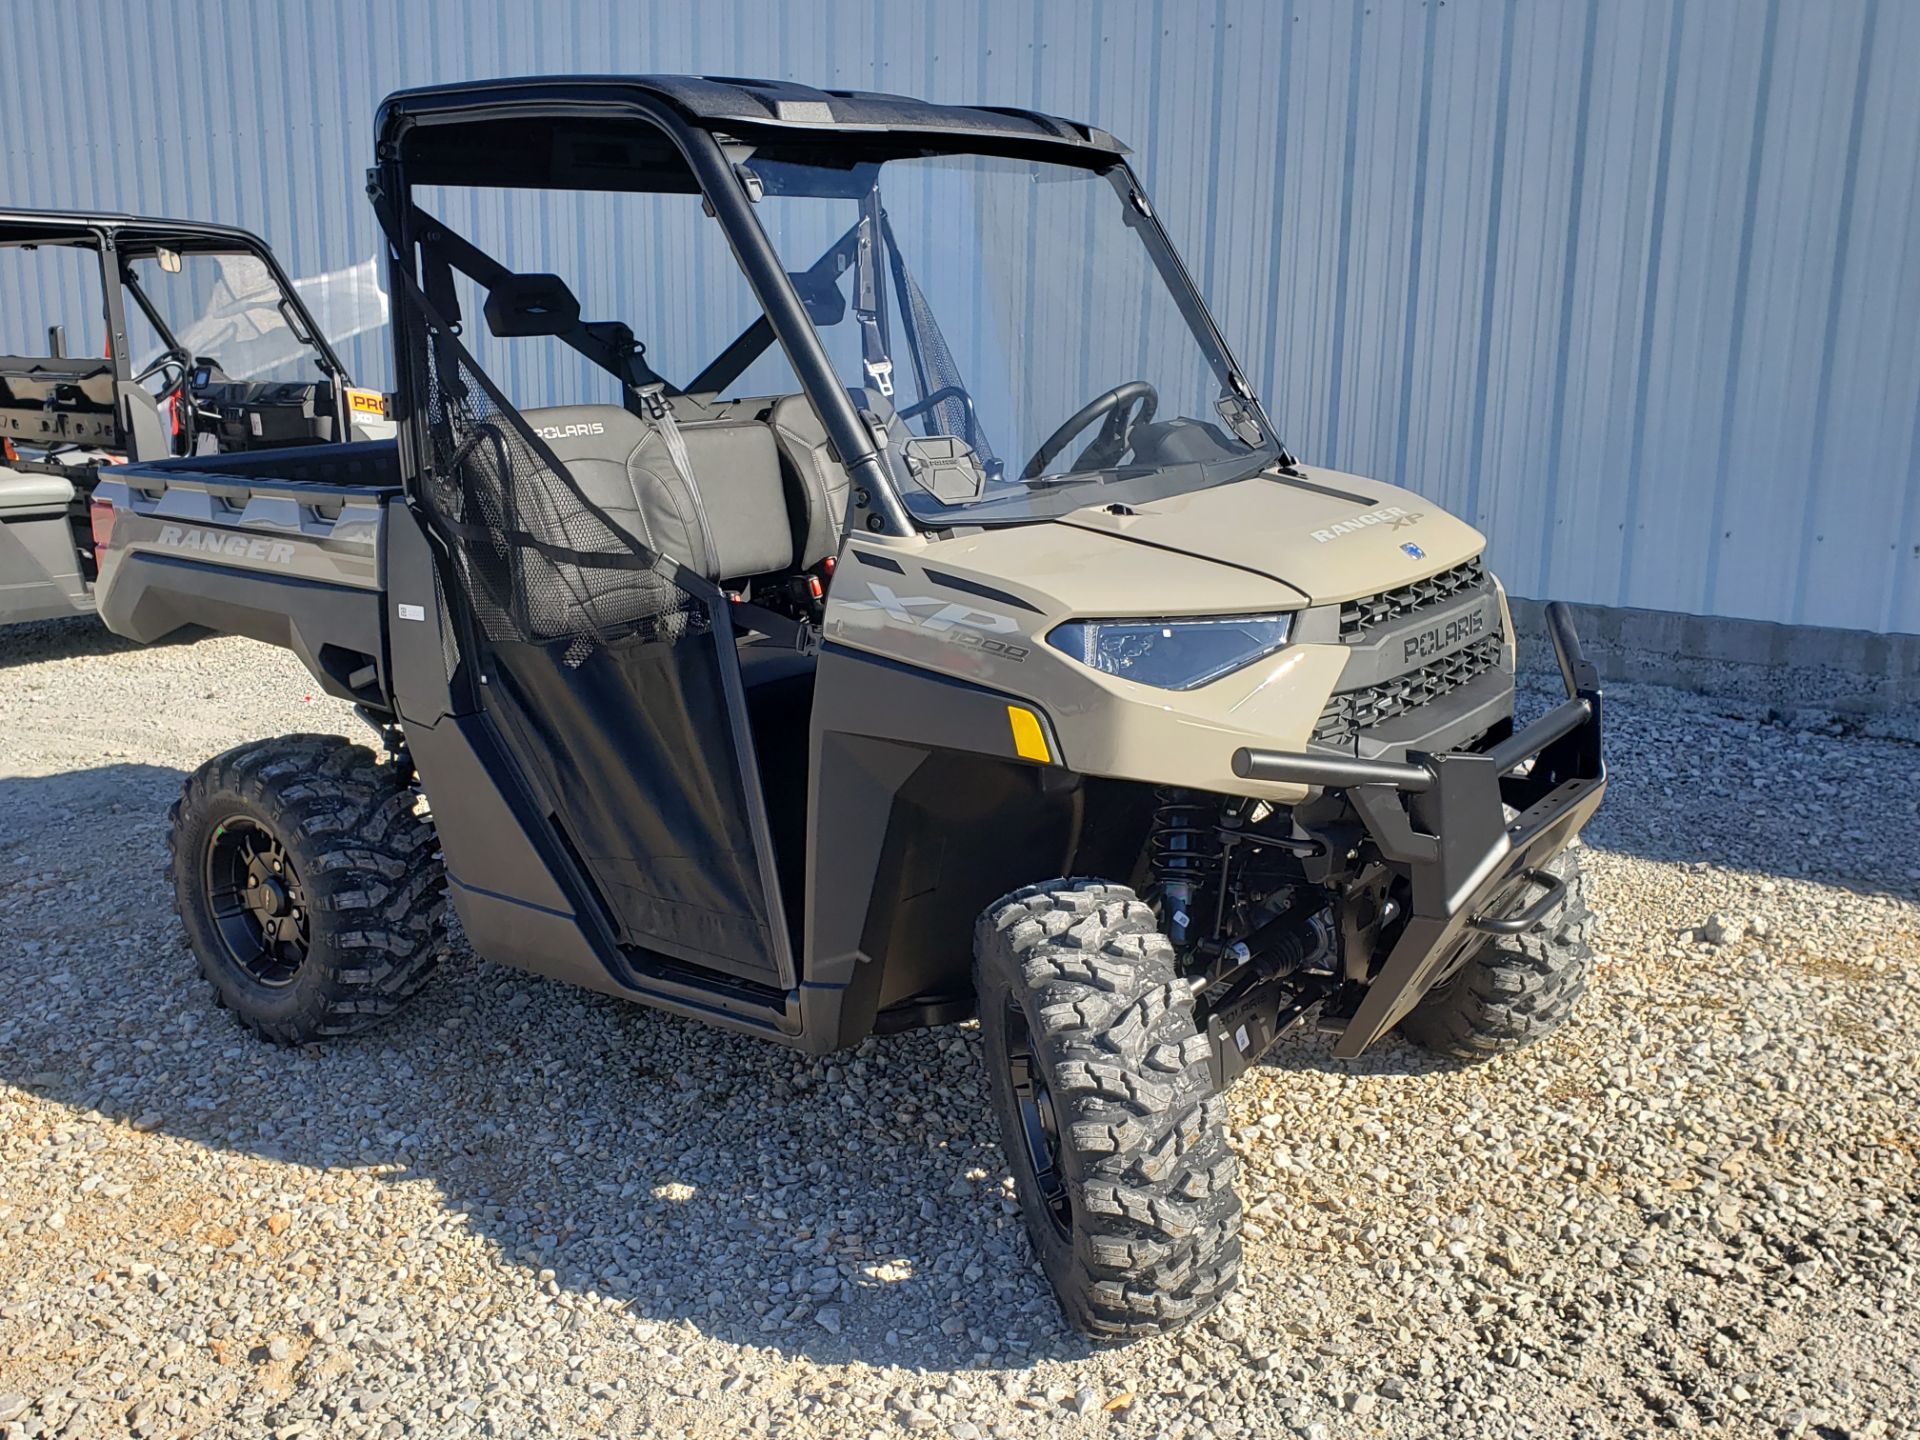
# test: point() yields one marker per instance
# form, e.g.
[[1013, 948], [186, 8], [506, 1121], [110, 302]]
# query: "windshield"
[[225, 308], [1007, 323]]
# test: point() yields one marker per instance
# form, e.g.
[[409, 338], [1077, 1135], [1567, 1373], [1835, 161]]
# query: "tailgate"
[[295, 563]]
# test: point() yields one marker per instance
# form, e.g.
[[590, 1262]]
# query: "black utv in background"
[[938, 629], [194, 343]]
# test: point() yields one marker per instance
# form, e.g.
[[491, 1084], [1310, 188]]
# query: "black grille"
[[1357, 617], [1357, 710]]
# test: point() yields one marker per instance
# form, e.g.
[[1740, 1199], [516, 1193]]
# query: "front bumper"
[[1438, 820]]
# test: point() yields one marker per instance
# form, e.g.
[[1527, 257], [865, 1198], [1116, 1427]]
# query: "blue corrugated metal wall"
[[1634, 284]]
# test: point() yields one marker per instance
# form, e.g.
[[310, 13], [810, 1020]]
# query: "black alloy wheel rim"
[[1039, 1125], [259, 906]]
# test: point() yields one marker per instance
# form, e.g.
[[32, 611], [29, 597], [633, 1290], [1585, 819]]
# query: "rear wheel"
[[1513, 990], [311, 892], [1113, 1130]]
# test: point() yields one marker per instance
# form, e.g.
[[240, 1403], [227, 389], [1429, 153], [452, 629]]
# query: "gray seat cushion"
[[816, 483], [32, 490], [624, 465], [737, 471]]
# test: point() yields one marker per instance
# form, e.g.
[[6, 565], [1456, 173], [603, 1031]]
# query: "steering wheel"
[[171, 392], [179, 359], [1124, 407]]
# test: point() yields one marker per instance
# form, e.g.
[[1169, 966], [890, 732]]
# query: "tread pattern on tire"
[[1515, 989], [369, 862], [1156, 1220]]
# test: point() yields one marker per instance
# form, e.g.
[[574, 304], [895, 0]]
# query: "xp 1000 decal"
[[949, 620]]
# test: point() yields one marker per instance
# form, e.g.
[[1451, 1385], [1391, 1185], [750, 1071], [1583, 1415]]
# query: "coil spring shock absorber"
[[1183, 852]]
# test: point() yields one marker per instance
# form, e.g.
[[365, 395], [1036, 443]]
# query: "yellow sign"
[[367, 402]]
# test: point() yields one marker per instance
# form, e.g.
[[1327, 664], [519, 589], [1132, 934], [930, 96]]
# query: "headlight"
[[1172, 654]]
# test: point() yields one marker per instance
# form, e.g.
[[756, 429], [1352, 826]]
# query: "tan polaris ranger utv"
[[956, 639]]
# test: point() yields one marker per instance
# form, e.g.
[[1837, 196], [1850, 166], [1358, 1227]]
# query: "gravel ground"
[[526, 1210]]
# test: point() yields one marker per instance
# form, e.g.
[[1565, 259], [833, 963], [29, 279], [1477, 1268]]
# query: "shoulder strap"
[[657, 407], [870, 297]]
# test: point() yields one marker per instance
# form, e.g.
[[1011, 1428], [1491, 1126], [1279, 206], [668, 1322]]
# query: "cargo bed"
[[279, 545]]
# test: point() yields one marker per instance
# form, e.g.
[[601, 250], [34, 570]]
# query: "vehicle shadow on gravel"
[[127, 799], [850, 1207], [1305, 1048], [79, 637]]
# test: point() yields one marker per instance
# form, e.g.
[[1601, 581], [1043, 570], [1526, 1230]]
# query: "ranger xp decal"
[[1396, 516]]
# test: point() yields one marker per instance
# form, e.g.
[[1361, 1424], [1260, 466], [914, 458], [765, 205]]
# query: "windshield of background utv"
[[1004, 295], [224, 308]]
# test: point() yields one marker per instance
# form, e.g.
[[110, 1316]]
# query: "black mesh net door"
[[611, 674]]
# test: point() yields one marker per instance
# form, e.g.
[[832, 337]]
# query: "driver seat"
[[816, 483]]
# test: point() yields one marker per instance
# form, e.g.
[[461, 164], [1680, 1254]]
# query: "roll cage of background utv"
[[782, 714], [47, 419]]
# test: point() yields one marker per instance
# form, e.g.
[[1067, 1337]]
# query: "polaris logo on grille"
[[563, 432], [1394, 516], [216, 542], [1440, 639]]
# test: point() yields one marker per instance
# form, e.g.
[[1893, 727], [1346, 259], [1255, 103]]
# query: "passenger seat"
[[728, 520]]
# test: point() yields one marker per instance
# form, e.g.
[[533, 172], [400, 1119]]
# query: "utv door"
[[611, 676]]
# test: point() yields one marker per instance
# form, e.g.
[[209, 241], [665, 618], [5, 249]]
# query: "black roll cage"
[[391, 190], [714, 147]]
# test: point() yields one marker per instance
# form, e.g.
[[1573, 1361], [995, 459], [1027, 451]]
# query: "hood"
[[1330, 536]]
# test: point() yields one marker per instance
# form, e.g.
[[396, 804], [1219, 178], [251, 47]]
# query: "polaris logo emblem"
[[564, 432], [1393, 516], [1442, 639], [219, 542]]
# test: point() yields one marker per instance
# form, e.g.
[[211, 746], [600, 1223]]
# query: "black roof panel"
[[51, 227], [729, 102]]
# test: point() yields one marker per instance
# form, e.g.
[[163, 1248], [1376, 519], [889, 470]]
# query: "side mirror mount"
[[821, 297], [523, 305], [1239, 417], [945, 467]]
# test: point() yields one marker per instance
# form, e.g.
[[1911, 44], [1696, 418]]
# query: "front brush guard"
[[1438, 821]]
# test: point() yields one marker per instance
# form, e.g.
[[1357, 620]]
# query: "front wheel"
[[1112, 1127], [311, 891]]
